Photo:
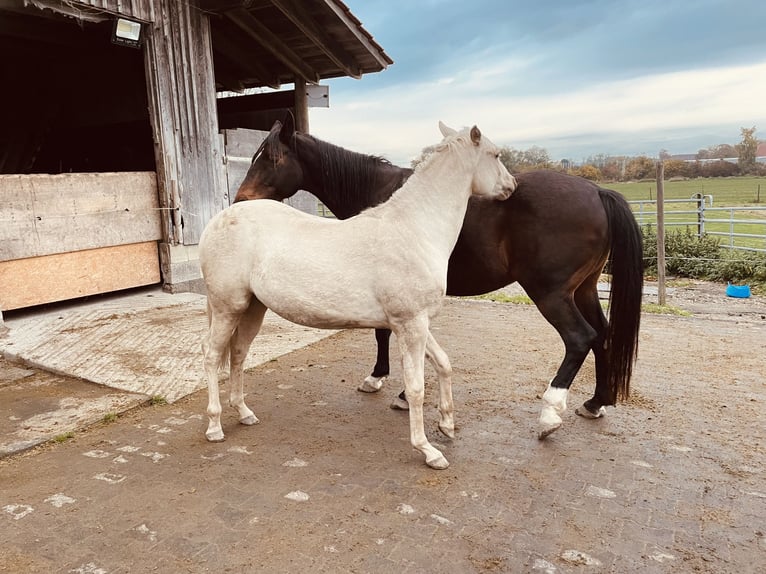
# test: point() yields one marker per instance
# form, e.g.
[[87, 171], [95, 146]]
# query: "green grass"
[[63, 437], [664, 310], [740, 192], [726, 191], [109, 417], [158, 400], [499, 297]]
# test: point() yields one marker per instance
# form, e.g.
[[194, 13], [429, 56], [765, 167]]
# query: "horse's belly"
[[326, 312]]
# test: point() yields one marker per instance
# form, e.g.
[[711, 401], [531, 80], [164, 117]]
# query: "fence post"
[[700, 199], [660, 233]]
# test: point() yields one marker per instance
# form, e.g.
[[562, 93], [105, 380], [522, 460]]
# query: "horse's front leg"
[[412, 339], [441, 364], [380, 372], [248, 328]]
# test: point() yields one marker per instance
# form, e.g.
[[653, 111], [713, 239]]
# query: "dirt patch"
[[671, 481]]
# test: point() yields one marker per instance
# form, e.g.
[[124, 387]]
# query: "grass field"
[[747, 194], [726, 191]]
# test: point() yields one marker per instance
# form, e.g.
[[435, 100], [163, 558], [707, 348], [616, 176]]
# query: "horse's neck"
[[343, 194], [435, 199]]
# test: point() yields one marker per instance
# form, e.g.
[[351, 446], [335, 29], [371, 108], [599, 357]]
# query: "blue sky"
[[576, 77]]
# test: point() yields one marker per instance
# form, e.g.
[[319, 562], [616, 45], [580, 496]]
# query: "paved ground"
[[673, 481]]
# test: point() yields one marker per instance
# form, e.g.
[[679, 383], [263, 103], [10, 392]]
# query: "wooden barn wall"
[[182, 105], [71, 235]]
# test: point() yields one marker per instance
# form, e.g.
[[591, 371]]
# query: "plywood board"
[[39, 280], [49, 214]]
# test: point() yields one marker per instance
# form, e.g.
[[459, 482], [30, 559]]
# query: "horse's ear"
[[446, 130], [276, 128], [475, 135], [288, 130]]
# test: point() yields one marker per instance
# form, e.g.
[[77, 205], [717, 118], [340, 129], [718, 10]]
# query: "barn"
[[118, 143]]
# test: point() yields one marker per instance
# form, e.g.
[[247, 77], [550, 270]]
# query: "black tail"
[[627, 267]]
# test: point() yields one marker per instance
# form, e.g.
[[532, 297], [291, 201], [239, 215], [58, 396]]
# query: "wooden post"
[[301, 106], [660, 233]]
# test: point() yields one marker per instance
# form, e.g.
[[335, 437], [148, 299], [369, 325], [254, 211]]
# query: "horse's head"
[[275, 172], [490, 178]]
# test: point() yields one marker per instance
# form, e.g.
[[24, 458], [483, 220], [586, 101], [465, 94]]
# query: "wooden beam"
[[301, 107], [302, 20], [256, 102], [271, 42], [356, 30]]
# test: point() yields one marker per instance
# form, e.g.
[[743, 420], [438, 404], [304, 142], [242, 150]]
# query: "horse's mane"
[[349, 175]]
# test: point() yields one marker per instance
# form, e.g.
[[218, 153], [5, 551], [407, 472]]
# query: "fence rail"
[[740, 227]]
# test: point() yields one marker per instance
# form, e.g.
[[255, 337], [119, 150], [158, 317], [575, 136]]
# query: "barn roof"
[[269, 42], [256, 43]]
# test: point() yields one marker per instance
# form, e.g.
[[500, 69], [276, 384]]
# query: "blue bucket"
[[738, 291]]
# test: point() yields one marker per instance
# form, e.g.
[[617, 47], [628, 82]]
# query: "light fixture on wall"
[[127, 32]]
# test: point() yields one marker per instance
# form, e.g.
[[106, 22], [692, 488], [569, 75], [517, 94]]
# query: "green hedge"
[[687, 255]]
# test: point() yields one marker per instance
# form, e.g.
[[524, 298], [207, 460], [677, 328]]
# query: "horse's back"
[[551, 229]]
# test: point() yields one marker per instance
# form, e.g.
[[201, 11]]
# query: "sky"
[[576, 77]]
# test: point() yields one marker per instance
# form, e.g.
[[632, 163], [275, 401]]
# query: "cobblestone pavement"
[[673, 481]]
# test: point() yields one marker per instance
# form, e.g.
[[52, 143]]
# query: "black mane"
[[351, 177]]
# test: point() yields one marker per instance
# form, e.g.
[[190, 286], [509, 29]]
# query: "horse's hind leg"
[[412, 338], [440, 361], [578, 336], [248, 328], [374, 382], [590, 307], [220, 331]]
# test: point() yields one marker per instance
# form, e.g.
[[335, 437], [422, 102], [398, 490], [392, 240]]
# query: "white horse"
[[386, 267]]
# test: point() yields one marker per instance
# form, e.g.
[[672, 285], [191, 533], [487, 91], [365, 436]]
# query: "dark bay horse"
[[553, 236]]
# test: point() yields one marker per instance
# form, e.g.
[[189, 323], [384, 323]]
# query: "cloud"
[[398, 122]]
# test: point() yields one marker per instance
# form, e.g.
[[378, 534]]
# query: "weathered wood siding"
[[70, 235], [139, 9], [49, 214], [182, 106]]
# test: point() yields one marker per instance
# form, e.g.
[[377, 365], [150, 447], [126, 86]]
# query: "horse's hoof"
[[439, 463], [447, 431], [249, 420], [214, 436], [547, 430], [586, 413], [400, 405], [371, 384]]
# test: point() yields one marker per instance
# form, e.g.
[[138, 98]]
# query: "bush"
[[687, 255]]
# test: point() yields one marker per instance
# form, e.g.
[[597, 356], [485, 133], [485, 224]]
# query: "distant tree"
[[612, 169], [640, 167], [723, 151], [664, 154], [746, 150], [588, 171], [523, 160], [537, 157], [677, 168], [719, 168]]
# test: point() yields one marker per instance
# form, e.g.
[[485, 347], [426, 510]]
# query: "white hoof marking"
[[249, 420], [586, 414], [371, 384]]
